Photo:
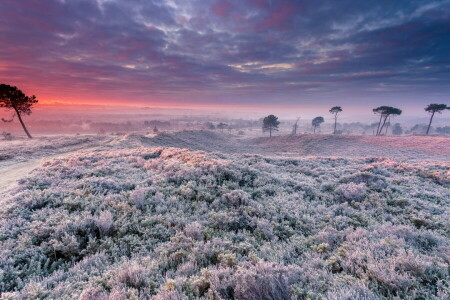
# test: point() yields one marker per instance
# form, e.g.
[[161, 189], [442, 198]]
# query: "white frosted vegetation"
[[167, 223]]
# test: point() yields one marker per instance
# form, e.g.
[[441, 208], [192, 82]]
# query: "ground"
[[198, 214]]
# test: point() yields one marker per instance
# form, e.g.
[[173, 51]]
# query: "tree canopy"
[[434, 108], [385, 112], [335, 110], [270, 123], [13, 98], [222, 126], [316, 122]]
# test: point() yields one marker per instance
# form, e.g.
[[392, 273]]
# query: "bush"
[[351, 191], [167, 223]]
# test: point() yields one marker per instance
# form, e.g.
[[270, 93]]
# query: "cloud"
[[214, 51]]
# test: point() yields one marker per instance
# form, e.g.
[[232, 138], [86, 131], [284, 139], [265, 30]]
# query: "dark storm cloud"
[[226, 50]]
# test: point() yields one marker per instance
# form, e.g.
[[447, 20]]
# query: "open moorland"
[[204, 215]]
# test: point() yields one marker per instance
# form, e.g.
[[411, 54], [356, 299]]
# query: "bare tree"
[[270, 123], [316, 122], [385, 112], [13, 98], [434, 108], [295, 127], [335, 110]]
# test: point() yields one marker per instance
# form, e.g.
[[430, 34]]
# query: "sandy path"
[[10, 175]]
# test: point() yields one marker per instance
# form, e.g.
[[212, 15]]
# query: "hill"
[[402, 148]]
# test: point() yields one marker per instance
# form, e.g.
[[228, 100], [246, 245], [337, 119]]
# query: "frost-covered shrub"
[[7, 136], [376, 182], [134, 276], [104, 223], [139, 197], [352, 292], [168, 223], [381, 255], [255, 281], [351, 191], [96, 293], [235, 198], [194, 231]]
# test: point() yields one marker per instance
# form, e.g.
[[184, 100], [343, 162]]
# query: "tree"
[[222, 126], [388, 123], [385, 112], [230, 128], [434, 108], [209, 126], [335, 110], [155, 129], [13, 98], [316, 122], [397, 129], [270, 123], [295, 127]]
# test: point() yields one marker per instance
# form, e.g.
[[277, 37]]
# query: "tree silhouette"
[[316, 122], [222, 126], [434, 108], [209, 126], [397, 129], [295, 126], [385, 112], [335, 110], [270, 123], [13, 98]]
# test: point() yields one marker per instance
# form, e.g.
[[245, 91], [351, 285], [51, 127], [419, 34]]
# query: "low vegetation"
[[170, 223]]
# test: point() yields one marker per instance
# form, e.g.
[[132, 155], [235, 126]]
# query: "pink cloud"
[[222, 8]]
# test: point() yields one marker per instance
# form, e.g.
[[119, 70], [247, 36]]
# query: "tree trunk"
[[379, 123], [387, 126], [23, 124], [335, 122], [270, 131], [384, 122], [429, 124], [314, 129]]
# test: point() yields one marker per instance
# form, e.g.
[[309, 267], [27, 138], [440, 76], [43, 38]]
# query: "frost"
[[171, 223]]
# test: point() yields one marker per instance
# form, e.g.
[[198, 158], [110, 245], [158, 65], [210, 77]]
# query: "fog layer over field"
[[191, 215], [92, 119]]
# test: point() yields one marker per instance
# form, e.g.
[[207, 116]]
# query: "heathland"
[[205, 215]]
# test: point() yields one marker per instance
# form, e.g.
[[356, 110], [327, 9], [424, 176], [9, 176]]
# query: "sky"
[[239, 54]]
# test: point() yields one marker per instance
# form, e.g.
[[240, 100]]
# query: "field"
[[205, 215]]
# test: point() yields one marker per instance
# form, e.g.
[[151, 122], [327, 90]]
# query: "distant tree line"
[[157, 123], [270, 123], [13, 99]]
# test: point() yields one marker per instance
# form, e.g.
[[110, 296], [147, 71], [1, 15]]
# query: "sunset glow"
[[214, 53]]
